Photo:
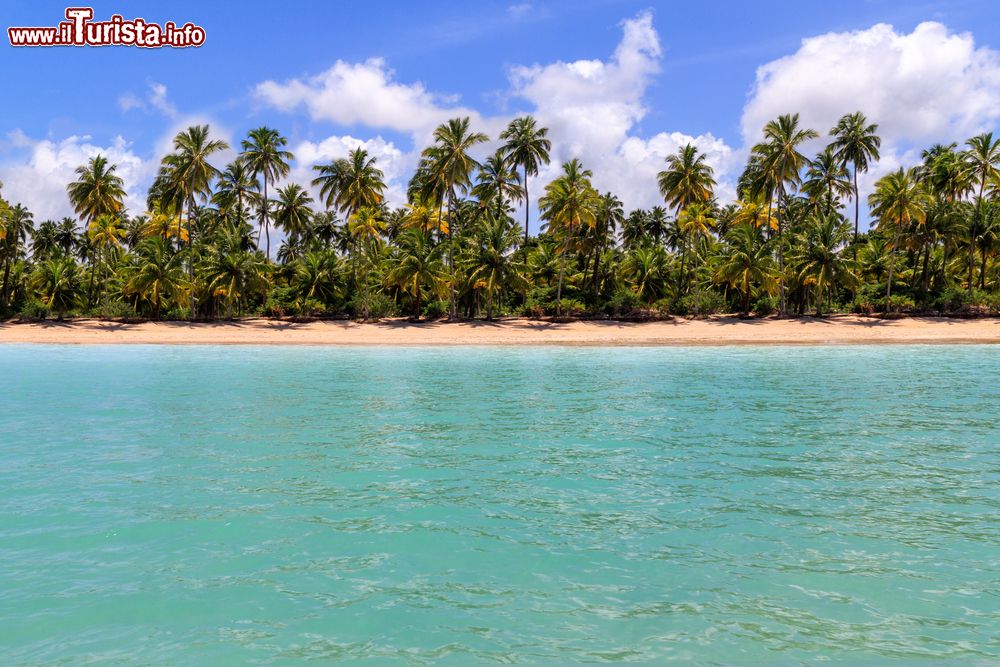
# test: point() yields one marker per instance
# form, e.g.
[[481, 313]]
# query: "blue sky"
[[682, 71]]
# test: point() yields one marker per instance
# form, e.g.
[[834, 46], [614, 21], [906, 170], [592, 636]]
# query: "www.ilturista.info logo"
[[80, 30]]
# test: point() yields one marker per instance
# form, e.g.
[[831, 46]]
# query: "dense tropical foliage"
[[791, 243]]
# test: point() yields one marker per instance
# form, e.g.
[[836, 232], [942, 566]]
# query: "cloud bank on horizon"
[[930, 85]]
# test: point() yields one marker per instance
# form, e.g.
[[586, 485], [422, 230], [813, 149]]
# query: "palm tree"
[[44, 240], [366, 227], [352, 183], [97, 191], [610, 214], [989, 234], [635, 229], [947, 173], [746, 261], [781, 159], [544, 261], [188, 168], [424, 216], [855, 141], [232, 273], [696, 222], [818, 260], [755, 213], [899, 198], [15, 228], [452, 165], [490, 262], [191, 175], [236, 186], [316, 277], [66, 236], [106, 235], [498, 182], [687, 179], [265, 156], [57, 284], [155, 273], [418, 267], [527, 146], [983, 156], [645, 271], [292, 212], [570, 202], [827, 177], [164, 222], [657, 223], [325, 228]]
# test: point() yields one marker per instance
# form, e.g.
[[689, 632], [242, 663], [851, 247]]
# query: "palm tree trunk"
[[681, 283], [782, 310], [944, 264], [746, 295], [857, 210], [769, 209], [972, 233], [452, 306], [892, 264], [597, 265], [264, 227], [366, 308], [982, 268], [924, 275], [93, 272], [562, 267], [6, 279], [683, 263], [694, 273], [527, 205], [192, 298], [352, 259], [104, 284]]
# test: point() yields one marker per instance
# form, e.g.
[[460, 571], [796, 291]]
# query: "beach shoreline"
[[719, 330]]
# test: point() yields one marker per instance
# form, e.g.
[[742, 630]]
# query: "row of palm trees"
[[202, 249]]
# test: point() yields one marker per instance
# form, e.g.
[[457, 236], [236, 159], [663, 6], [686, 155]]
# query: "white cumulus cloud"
[[930, 85], [363, 94], [43, 168], [591, 108], [921, 87]]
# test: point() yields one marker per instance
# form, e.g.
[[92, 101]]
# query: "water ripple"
[[464, 506]]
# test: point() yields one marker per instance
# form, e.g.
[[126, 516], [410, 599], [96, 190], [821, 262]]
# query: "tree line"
[[789, 244]]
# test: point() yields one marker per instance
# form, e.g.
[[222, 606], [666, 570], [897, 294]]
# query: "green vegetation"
[[202, 249]]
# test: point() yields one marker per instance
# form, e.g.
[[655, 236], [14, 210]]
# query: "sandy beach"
[[713, 331]]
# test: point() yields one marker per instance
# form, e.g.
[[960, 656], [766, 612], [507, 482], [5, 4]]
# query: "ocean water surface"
[[736, 505]]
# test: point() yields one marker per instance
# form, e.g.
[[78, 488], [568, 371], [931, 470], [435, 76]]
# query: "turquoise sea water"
[[751, 505]]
